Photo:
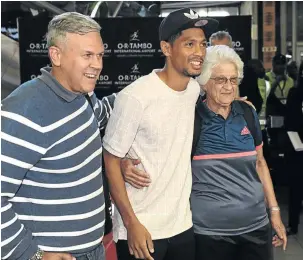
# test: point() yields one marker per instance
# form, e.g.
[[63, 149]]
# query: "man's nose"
[[200, 50], [96, 62]]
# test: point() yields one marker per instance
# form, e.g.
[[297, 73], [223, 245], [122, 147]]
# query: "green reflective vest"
[[282, 90]]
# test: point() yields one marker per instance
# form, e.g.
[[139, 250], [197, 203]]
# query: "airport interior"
[[266, 35]]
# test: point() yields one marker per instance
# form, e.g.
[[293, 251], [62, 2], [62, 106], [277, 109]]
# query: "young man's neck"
[[173, 79]]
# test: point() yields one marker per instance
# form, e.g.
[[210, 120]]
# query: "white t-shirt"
[[152, 122]]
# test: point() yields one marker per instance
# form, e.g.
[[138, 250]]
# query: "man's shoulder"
[[140, 88], [27, 100]]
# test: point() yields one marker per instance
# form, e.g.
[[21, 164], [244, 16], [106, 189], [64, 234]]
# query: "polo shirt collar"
[[208, 115], [55, 86]]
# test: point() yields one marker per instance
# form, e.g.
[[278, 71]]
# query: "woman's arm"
[[264, 175]]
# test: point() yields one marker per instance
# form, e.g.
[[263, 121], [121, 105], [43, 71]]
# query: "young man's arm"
[[119, 137], [139, 239]]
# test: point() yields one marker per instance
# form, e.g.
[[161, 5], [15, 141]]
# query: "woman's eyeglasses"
[[223, 80]]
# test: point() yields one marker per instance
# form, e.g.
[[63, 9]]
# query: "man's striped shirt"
[[52, 191]]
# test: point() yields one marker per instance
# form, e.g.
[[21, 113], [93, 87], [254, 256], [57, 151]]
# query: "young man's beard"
[[187, 74]]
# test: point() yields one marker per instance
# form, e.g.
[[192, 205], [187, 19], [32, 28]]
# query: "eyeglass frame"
[[227, 79]]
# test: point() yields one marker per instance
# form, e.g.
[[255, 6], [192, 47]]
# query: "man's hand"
[[139, 240], [244, 99], [278, 226], [131, 174], [57, 256]]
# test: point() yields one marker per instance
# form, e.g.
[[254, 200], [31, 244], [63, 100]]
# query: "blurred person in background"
[[276, 101], [258, 96], [281, 83], [294, 159], [221, 38], [292, 71], [249, 86]]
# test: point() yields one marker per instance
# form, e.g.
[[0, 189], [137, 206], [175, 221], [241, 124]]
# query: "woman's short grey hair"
[[216, 55], [69, 22]]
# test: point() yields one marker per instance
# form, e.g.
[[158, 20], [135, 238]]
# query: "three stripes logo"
[[245, 131]]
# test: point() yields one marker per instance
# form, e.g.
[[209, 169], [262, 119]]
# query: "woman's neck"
[[218, 109]]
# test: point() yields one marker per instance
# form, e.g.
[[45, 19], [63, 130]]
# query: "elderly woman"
[[231, 180]]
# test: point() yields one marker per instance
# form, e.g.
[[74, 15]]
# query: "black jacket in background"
[[293, 120], [294, 114], [249, 87]]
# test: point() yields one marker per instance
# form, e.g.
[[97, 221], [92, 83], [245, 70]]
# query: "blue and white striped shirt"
[[52, 191]]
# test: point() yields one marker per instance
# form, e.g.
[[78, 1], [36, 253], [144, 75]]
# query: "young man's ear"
[[54, 54], [166, 48]]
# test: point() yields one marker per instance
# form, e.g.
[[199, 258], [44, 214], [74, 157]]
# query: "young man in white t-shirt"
[[153, 120]]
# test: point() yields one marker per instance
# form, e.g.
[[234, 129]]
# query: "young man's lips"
[[196, 61], [196, 64]]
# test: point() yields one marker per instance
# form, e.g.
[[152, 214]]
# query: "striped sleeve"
[[103, 109], [123, 125], [21, 142]]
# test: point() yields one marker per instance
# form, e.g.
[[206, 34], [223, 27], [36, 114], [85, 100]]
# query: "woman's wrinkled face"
[[222, 86]]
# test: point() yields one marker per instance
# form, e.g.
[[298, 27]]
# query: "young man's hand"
[[244, 99], [139, 240]]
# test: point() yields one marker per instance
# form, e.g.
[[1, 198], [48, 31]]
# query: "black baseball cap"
[[279, 59], [183, 19]]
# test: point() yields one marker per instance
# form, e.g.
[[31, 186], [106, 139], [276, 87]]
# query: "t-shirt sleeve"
[[123, 124]]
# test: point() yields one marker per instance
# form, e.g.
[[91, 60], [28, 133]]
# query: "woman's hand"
[[279, 228]]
